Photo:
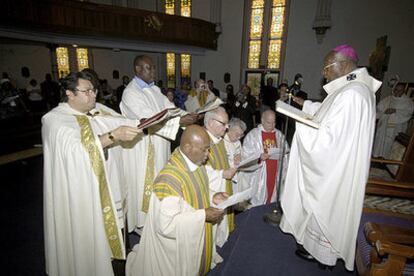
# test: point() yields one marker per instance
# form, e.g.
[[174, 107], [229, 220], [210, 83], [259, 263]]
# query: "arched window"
[[266, 33], [276, 34], [62, 58]]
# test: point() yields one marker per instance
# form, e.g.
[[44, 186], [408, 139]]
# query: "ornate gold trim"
[[97, 164]]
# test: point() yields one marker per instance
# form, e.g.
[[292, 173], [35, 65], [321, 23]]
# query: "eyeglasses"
[[226, 125], [88, 91], [329, 65]]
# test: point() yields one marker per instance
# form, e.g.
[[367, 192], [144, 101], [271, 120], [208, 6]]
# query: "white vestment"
[[140, 103], [389, 125], [328, 169], [76, 242], [192, 103], [252, 144], [173, 237], [218, 185], [233, 149]]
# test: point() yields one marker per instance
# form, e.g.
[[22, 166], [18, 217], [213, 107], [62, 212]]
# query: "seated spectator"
[[36, 103], [50, 91], [180, 95], [215, 91], [269, 95], [199, 96], [120, 90], [245, 106], [170, 95]]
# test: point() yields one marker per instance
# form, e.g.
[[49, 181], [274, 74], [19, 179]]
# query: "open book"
[[159, 117], [210, 105], [296, 114], [250, 163]]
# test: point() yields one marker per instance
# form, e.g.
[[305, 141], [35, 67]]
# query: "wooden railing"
[[94, 20]]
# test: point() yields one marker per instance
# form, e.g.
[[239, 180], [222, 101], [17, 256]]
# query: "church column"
[[73, 61], [53, 61]]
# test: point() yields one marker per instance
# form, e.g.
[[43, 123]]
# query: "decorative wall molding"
[[64, 17]]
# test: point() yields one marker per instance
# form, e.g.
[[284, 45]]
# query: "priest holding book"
[[142, 99], [328, 167]]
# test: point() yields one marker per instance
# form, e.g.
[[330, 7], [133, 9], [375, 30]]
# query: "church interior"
[[229, 44]]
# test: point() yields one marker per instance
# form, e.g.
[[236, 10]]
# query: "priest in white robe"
[[269, 141], [198, 96], [178, 236], [143, 99], [82, 184], [393, 114], [328, 167]]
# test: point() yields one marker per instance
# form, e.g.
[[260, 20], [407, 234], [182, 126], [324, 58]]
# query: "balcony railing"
[[94, 20]]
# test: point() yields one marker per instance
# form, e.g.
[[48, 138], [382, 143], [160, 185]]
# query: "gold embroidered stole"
[[97, 164], [149, 176], [177, 180], [218, 160]]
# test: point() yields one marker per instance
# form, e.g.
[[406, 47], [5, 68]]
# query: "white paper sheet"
[[275, 153], [236, 198]]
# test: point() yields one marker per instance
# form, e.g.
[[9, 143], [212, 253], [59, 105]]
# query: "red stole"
[[269, 141]]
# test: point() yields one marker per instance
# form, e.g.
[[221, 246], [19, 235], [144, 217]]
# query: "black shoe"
[[302, 253]]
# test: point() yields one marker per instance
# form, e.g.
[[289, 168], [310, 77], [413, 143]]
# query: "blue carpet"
[[256, 248]]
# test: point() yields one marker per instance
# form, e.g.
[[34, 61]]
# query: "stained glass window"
[[185, 66], [255, 36], [273, 58], [82, 57], [254, 53], [170, 6], [185, 58], [276, 34], [186, 8], [62, 58], [170, 70]]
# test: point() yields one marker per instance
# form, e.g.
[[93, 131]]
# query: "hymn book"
[[159, 117], [296, 114], [213, 104]]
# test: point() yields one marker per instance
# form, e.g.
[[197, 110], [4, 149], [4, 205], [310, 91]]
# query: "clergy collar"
[[358, 75], [191, 165], [213, 138], [66, 108], [263, 130], [142, 84]]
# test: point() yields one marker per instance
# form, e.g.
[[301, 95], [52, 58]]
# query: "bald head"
[[195, 144], [268, 120]]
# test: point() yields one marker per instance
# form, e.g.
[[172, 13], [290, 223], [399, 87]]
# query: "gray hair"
[[212, 114], [237, 122]]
